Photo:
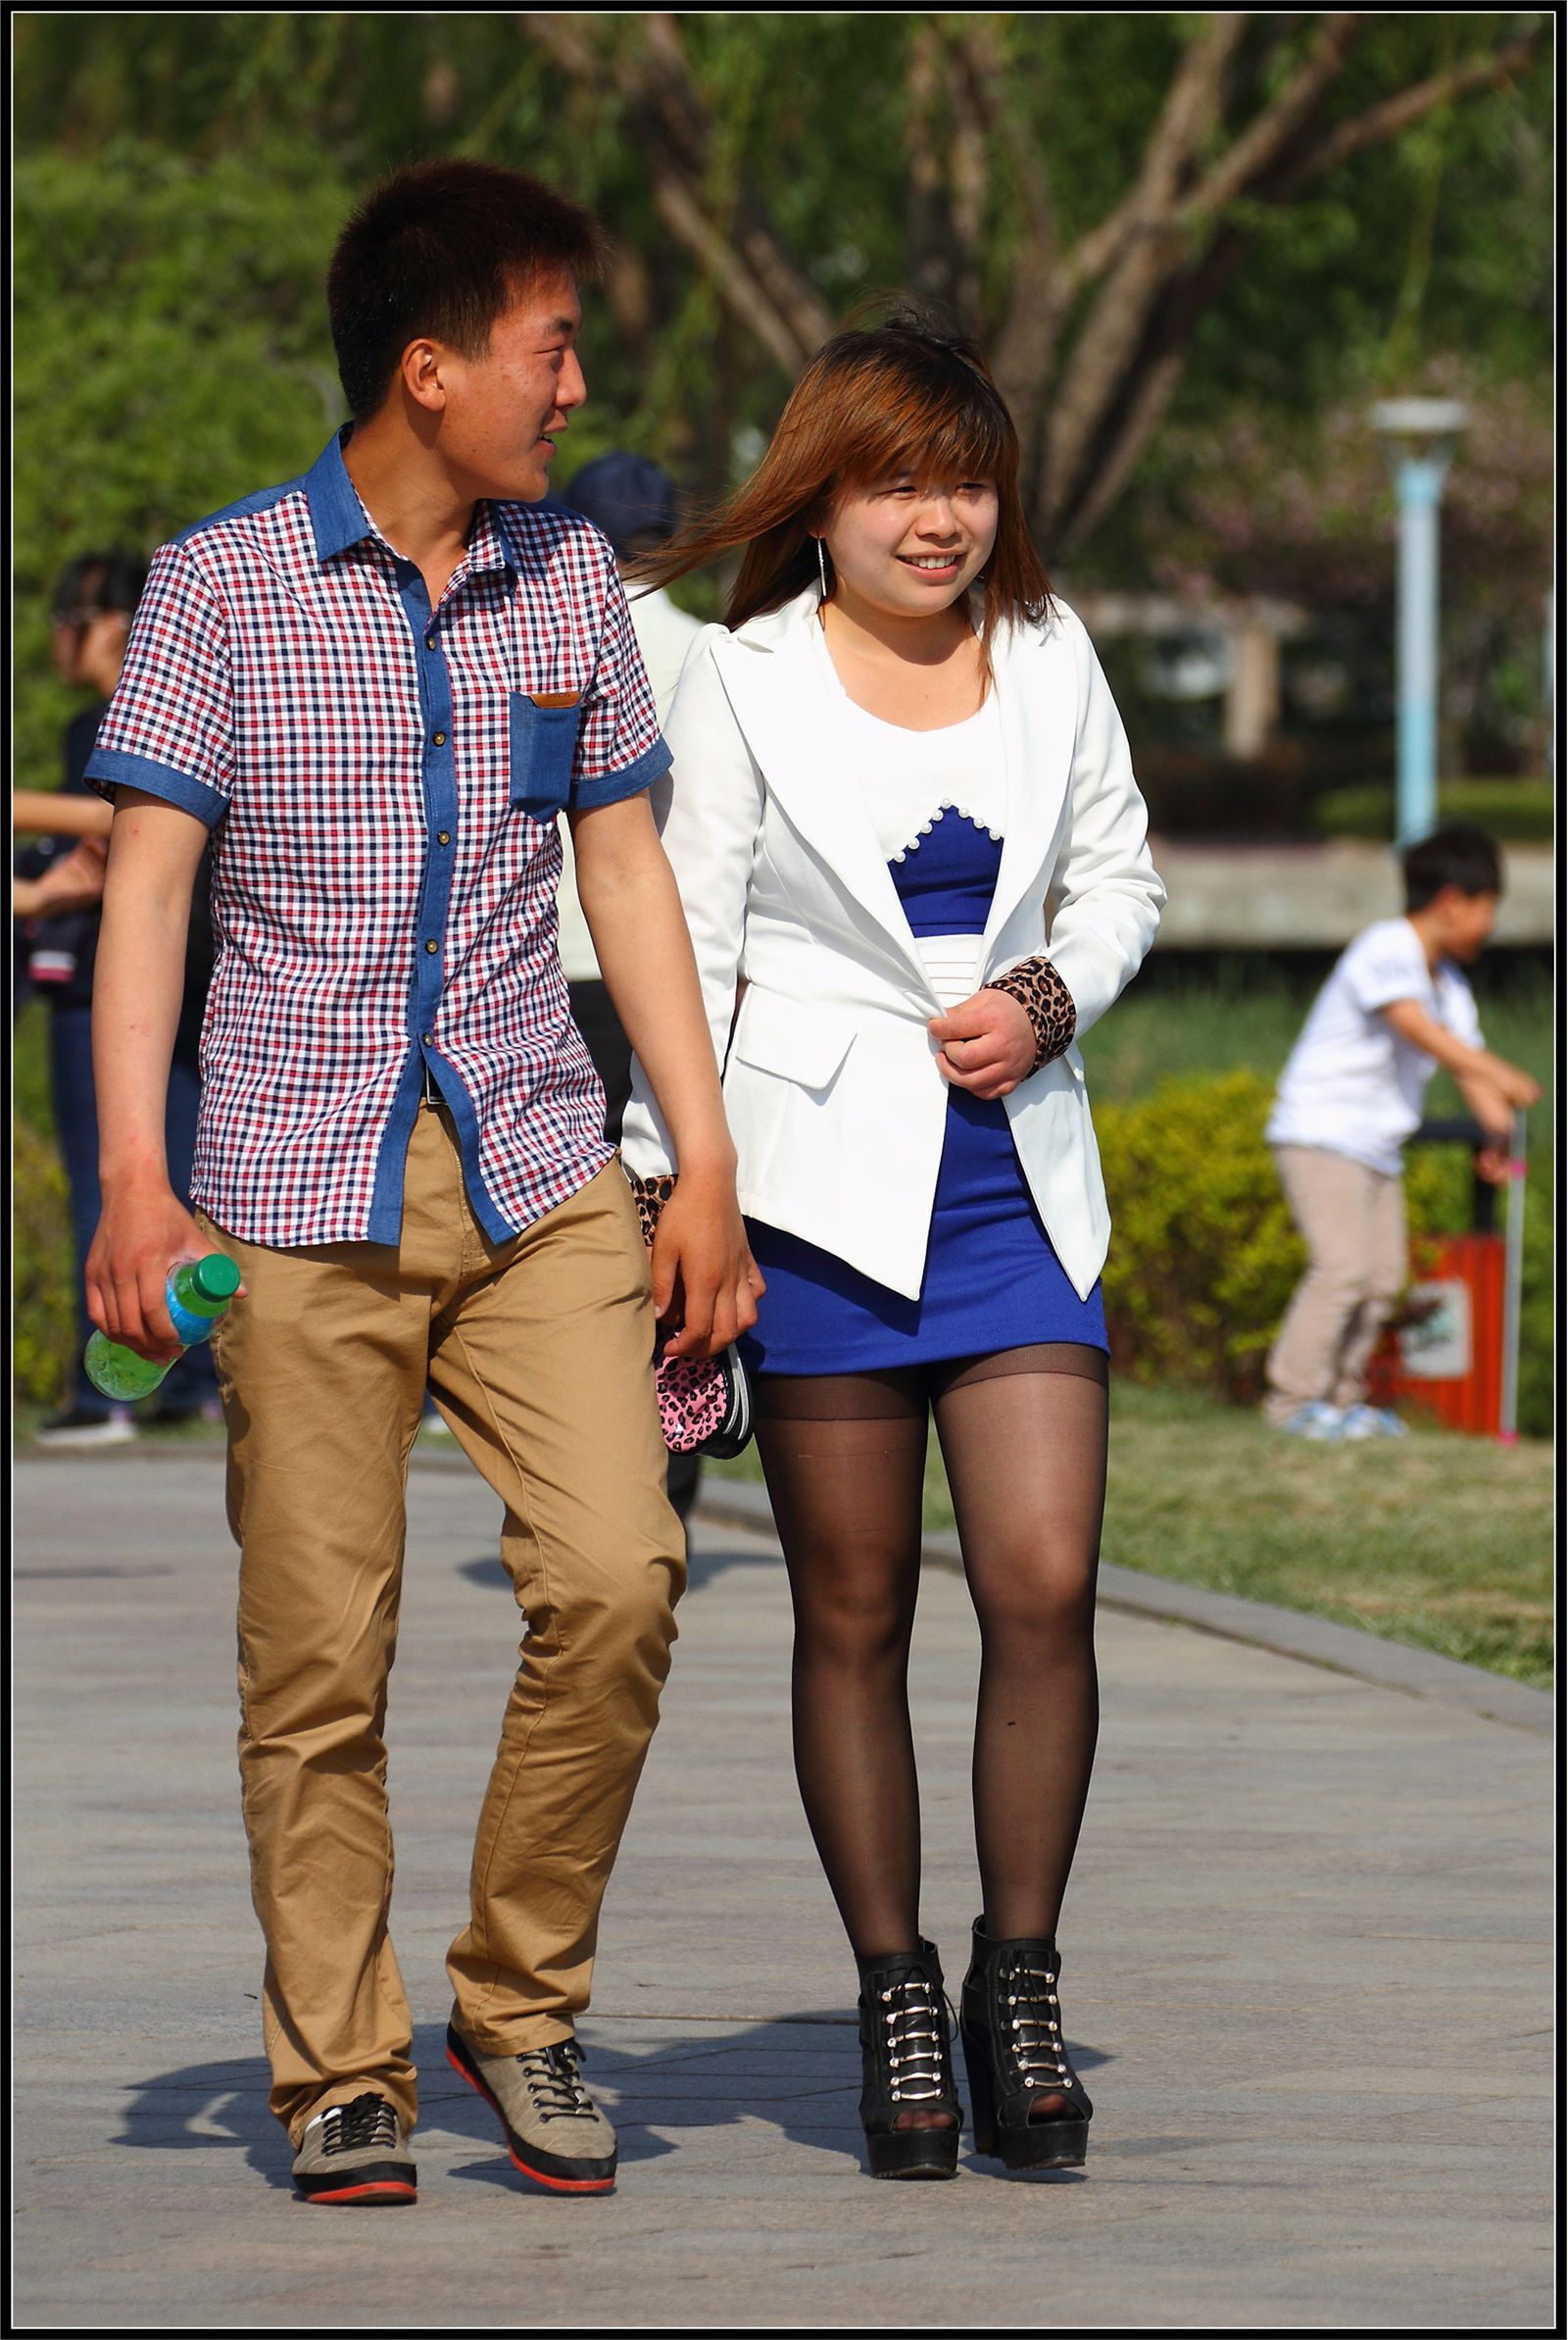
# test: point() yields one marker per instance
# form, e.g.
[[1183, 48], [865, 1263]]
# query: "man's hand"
[[145, 1230], [987, 1044], [706, 1282], [73, 882], [1516, 1085]]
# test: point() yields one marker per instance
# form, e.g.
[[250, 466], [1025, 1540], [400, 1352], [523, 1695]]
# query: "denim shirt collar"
[[339, 520]]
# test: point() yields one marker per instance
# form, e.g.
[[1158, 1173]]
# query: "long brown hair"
[[872, 401]]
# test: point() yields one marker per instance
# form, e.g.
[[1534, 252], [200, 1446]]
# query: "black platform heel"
[[1013, 2052], [907, 2065]]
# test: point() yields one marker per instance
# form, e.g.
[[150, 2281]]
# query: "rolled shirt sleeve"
[[169, 729], [619, 749], [1387, 963]]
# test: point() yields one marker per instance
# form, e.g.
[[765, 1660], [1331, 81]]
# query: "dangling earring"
[[822, 567]]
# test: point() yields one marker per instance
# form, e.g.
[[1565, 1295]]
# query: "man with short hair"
[[378, 687]]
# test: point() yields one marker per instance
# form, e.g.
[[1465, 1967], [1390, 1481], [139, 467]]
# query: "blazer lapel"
[[1038, 702], [776, 689]]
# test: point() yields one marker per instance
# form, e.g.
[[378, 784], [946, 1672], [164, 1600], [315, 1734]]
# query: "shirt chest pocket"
[[543, 742]]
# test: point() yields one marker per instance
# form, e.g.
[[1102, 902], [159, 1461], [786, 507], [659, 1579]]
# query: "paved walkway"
[[1308, 1981]]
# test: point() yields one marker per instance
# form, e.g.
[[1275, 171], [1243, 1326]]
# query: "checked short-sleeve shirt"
[[384, 785]]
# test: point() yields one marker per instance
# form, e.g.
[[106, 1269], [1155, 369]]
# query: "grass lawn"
[[1437, 1539]]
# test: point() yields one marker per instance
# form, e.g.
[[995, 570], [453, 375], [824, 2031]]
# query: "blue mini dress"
[[992, 1278]]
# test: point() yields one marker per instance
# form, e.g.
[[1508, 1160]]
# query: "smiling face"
[[911, 546], [501, 412]]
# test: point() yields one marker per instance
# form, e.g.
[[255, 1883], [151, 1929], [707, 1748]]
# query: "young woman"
[[905, 825]]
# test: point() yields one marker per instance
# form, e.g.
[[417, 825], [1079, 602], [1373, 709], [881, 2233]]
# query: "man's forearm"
[[645, 956], [138, 986], [49, 813]]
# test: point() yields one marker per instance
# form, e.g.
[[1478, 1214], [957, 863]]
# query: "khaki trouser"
[[1352, 1218], [539, 1354]]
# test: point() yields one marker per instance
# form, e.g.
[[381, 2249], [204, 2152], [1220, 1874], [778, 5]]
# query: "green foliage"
[[1520, 810], [170, 354], [181, 178], [43, 1319], [1204, 1255]]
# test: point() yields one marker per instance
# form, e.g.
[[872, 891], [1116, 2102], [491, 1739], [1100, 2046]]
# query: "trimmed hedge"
[[1204, 1255], [1202, 1262], [1519, 812]]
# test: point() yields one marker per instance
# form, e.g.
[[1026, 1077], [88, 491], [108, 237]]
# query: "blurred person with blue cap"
[[635, 503]]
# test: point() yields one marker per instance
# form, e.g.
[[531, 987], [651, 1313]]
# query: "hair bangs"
[[931, 429]]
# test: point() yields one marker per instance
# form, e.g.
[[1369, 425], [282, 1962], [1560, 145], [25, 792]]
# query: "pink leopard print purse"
[[705, 1404]]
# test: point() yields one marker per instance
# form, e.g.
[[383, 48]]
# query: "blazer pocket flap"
[[802, 1044]]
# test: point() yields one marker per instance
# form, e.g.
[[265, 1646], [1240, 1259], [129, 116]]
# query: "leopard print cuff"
[[1047, 1002], [649, 1196]]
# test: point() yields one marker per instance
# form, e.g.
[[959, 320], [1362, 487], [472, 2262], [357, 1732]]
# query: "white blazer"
[[835, 1100]]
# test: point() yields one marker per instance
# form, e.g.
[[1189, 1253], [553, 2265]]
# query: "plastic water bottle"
[[197, 1292]]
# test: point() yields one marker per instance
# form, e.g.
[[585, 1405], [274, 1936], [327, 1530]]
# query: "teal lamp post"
[[1419, 435]]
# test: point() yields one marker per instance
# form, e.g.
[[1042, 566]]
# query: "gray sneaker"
[[356, 2153], [554, 2131], [1319, 1420]]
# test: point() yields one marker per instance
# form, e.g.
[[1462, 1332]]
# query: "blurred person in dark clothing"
[[57, 887], [633, 502]]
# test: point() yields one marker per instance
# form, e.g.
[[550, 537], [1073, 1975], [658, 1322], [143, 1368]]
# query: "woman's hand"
[[987, 1044], [706, 1282]]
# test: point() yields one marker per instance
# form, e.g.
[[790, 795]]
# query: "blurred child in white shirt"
[[1394, 1008]]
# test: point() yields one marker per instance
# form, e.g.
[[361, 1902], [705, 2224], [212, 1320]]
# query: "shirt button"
[[429, 641], [443, 836], [440, 739], [433, 946], [429, 1039]]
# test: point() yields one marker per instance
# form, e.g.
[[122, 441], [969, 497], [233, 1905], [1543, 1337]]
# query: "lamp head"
[[1420, 426]]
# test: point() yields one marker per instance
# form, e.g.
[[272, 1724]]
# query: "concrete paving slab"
[[1308, 1980], [1290, 1632]]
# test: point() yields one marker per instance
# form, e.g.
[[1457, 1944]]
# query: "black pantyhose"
[[1024, 1437]]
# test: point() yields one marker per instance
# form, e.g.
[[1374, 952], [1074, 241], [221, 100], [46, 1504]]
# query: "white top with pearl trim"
[[910, 779]]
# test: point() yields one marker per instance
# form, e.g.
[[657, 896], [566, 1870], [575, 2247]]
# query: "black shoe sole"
[[1046, 2145], [549, 2170], [914, 2153], [366, 2189]]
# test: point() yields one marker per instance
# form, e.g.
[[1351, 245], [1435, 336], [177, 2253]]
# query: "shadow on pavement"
[[799, 2074], [487, 1569]]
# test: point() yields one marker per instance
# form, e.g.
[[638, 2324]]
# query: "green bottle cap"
[[217, 1277]]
